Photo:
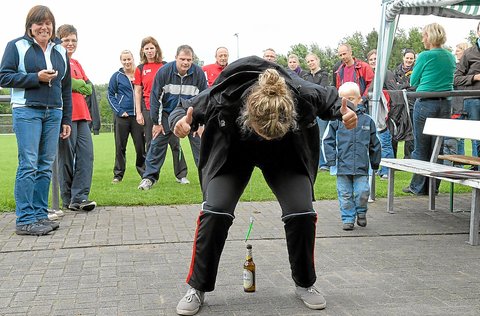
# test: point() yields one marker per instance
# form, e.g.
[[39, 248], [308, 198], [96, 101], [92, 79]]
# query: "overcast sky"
[[105, 28]]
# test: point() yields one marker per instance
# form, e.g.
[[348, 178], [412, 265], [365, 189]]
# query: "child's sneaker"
[[362, 219], [347, 226]]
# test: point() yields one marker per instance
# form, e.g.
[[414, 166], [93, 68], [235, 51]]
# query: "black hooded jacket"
[[219, 107]]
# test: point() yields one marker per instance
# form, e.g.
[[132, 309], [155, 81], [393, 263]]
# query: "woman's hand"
[[140, 119], [65, 132], [47, 75]]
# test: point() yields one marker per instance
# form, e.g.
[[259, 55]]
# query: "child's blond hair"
[[347, 87]]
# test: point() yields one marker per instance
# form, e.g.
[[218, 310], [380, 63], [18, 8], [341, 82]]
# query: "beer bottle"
[[249, 272]]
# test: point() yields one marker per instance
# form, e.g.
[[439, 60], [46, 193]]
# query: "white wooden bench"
[[441, 128]]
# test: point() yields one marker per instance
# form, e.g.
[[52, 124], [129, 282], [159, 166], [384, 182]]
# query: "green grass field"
[[167, 190]]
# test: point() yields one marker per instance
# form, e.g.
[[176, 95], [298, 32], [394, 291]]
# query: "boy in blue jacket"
[[353, 152]]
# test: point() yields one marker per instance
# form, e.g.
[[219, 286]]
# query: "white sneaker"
[[59, 213], [183, 180], [311, 297], [146, 184], [52, 216], [191, 302]]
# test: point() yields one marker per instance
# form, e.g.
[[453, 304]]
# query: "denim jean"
[[450, 147], [424, 144], [472, 108], [353, 192], [387, 150], [37, 131], [461, 147], [322, 126]]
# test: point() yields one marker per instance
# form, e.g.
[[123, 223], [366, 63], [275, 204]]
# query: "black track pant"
[[125, 126], [294, 193]]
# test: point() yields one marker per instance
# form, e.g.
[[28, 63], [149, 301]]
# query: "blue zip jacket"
[[21, 62], [352, 151], [121, 94], [169, 88]]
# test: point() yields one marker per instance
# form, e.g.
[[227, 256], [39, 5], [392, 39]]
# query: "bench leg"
[[474, 217], [390, 190], [431, 193], [451, 195]]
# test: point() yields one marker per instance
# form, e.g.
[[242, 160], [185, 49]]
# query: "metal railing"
[[454, 93]]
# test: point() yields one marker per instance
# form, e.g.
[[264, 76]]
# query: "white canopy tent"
[[391, 11]]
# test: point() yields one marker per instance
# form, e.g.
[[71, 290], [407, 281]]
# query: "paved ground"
[[133, 261]]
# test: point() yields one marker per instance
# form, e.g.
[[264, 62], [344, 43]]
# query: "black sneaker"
[[35, 229], [88, 205], [83, 206], [53, 224], [408, 190], [74, 206]]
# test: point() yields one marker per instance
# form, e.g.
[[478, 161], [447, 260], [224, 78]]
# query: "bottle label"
[[247, 279]]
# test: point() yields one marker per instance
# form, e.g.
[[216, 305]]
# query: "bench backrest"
[[452, 128]]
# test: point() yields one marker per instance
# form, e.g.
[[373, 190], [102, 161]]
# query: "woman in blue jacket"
[[36, 68], [121, 98]]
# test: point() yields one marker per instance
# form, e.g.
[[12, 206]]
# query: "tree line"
[[361, 45]]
